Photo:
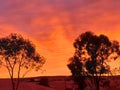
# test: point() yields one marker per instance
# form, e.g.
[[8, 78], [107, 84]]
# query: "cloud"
[[53, 25]]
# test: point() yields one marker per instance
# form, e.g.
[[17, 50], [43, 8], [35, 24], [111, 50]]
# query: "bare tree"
[[16, 54], [91, 55]]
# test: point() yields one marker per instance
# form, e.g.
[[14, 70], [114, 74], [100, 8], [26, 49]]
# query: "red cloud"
[[53, 25]]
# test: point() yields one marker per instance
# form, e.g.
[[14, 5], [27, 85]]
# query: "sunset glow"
[[53, 25]]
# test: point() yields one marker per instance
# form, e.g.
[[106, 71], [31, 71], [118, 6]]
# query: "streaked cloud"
[[54, 24]]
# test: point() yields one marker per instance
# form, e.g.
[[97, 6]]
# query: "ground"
[[57, 83]]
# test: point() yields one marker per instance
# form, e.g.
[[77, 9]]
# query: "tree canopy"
[[91, 55], [17, 52]]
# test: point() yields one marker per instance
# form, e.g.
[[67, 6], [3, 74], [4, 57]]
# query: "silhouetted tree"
[[16, 54], [91, 55]]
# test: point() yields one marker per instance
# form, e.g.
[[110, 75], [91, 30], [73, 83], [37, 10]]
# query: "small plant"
[[44, 81]]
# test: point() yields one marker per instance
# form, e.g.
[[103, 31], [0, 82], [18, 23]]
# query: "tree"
[[16, 54], [91, 57]]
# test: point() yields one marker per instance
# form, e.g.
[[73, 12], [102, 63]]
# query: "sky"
[[53, 25]]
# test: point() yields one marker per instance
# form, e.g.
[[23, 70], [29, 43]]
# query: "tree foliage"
[[17, 53], [91, 57]]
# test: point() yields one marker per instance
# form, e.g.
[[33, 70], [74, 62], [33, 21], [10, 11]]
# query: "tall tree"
[[91, 57], [16, 54]]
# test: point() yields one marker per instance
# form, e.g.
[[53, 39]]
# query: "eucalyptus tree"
[[17, 55], [91, 57]]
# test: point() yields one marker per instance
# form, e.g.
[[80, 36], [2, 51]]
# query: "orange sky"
[[53, 25]]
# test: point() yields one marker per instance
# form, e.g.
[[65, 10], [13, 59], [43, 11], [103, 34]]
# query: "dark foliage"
[[17, 53], [91, 55]]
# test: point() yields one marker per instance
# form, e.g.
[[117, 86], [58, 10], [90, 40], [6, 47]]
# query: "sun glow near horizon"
[[54, 25]]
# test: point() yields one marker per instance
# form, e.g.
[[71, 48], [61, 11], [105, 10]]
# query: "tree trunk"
[[97, 85], [13, 84], [81, 83], [18, 82], [12, 81]]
